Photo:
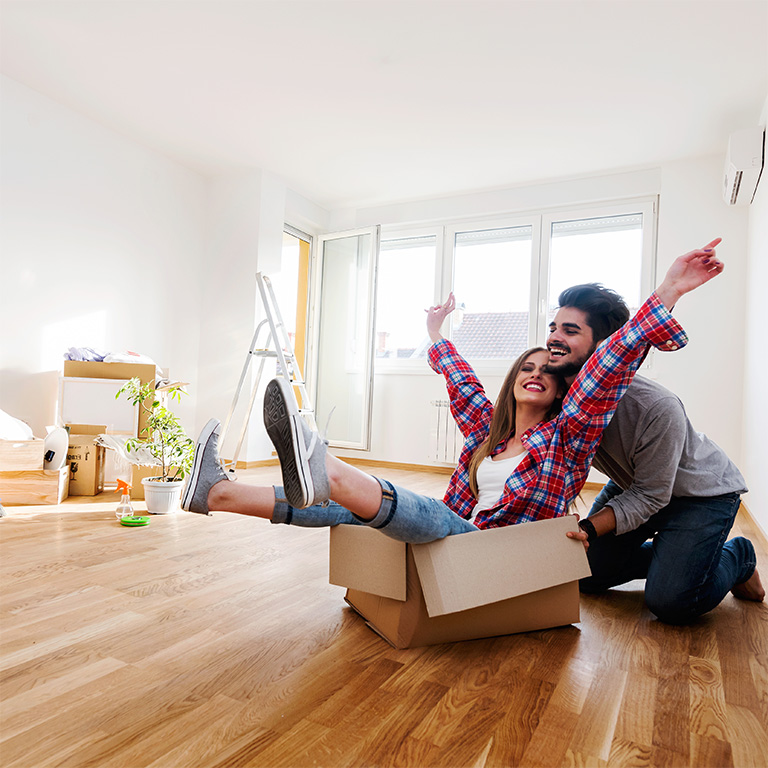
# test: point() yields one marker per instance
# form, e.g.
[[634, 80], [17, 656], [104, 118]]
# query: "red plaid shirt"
[[560, 451]]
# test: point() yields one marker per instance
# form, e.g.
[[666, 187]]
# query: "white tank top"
[[491, 477]]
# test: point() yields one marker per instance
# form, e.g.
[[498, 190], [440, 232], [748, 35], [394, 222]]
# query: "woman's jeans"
[[403, 515], [688, 565]]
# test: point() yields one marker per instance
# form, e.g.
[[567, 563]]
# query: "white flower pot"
[[162, 497]]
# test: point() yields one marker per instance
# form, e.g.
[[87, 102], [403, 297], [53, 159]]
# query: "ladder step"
[[271, 353]]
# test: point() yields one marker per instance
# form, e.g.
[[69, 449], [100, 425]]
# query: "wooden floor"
[[202, 642]]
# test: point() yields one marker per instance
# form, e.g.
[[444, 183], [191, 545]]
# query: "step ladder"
[[277, 344]]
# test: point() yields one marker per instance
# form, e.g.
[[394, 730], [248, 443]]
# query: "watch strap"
[[589, 529]]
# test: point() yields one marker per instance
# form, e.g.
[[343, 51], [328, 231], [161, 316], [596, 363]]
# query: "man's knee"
[[670, 607]]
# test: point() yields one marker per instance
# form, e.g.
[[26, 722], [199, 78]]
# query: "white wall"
[[755, 416], [102, 246], [109, 245], [707, 374], [692, 213]]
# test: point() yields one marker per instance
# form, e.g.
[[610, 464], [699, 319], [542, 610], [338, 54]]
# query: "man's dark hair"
[[606, 311]]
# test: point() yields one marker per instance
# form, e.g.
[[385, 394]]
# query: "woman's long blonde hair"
[[503, 419]]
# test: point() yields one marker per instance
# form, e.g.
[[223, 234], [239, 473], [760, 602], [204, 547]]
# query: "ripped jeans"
[[403, 515]]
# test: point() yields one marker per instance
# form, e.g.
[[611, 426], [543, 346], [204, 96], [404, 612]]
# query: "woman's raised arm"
[[436, 316], [688, 272]]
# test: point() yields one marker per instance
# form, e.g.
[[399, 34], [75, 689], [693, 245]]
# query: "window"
[[506, 275], [342, 330]]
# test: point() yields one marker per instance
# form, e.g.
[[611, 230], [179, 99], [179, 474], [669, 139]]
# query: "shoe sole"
[[202, 441], [281, 421]]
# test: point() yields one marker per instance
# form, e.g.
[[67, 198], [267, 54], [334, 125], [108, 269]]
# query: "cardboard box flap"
[[474, 569], [354, 550]]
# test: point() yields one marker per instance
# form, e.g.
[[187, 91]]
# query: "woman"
[[548, 448]]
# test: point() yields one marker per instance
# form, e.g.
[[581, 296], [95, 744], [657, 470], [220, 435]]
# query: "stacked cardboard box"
[[94, 476], [121, 371], [23, 477]]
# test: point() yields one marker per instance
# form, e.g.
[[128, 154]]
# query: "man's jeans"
[[403, 515], [688, 565]]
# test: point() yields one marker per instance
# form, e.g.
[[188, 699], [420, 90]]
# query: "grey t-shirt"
[[653, 452]]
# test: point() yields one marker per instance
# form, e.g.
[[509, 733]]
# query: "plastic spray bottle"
[[124, 508]]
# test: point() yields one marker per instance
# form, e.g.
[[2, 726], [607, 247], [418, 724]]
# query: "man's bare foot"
[[751, 589]]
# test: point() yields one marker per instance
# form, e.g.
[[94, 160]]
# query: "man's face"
[[570, 342]]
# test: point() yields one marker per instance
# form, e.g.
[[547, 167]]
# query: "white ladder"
[[277, 337]]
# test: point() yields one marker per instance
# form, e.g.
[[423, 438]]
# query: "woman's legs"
[[209, 487], [358, 498]]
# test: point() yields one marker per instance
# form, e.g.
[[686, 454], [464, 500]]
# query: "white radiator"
[[447, 441]]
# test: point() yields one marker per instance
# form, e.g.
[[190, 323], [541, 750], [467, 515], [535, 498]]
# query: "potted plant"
[[166, 441]]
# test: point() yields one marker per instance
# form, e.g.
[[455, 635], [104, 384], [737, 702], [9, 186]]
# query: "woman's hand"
[[436, 316], [689, 272]]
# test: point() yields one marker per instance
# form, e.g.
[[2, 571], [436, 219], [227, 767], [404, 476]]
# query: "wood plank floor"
[[218, 642]]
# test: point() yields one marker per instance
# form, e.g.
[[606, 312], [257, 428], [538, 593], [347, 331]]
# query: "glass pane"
[[344, 341], [606, 250], [285, 282], [405, 288], [492, 284]]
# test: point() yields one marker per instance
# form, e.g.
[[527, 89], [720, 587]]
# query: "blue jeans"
[[403, 515], [688, 565]]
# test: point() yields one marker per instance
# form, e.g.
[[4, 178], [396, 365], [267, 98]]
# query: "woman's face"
[[533, 386]]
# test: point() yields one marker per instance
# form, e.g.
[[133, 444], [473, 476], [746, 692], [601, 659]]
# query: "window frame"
[[540, 222]]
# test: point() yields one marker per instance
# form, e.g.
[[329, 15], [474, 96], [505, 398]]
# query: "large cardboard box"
[[21, 454], [92, 370], [494, 582], [34, 486], [86, 460]]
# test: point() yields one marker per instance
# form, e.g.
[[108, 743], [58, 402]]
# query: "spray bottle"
[[124, 508]]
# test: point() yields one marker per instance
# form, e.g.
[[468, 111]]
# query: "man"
[[673, 493]]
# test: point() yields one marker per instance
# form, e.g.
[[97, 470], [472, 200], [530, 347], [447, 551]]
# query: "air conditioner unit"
[[743, 166]]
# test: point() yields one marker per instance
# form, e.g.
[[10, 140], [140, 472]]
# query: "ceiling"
[[363, 102]]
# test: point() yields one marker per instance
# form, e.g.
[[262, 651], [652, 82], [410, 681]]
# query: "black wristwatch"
[[589, 529]]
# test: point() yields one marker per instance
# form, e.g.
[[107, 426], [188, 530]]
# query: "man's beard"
[[566, 370]]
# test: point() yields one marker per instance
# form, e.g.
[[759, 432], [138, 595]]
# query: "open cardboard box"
[[493, 582]]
